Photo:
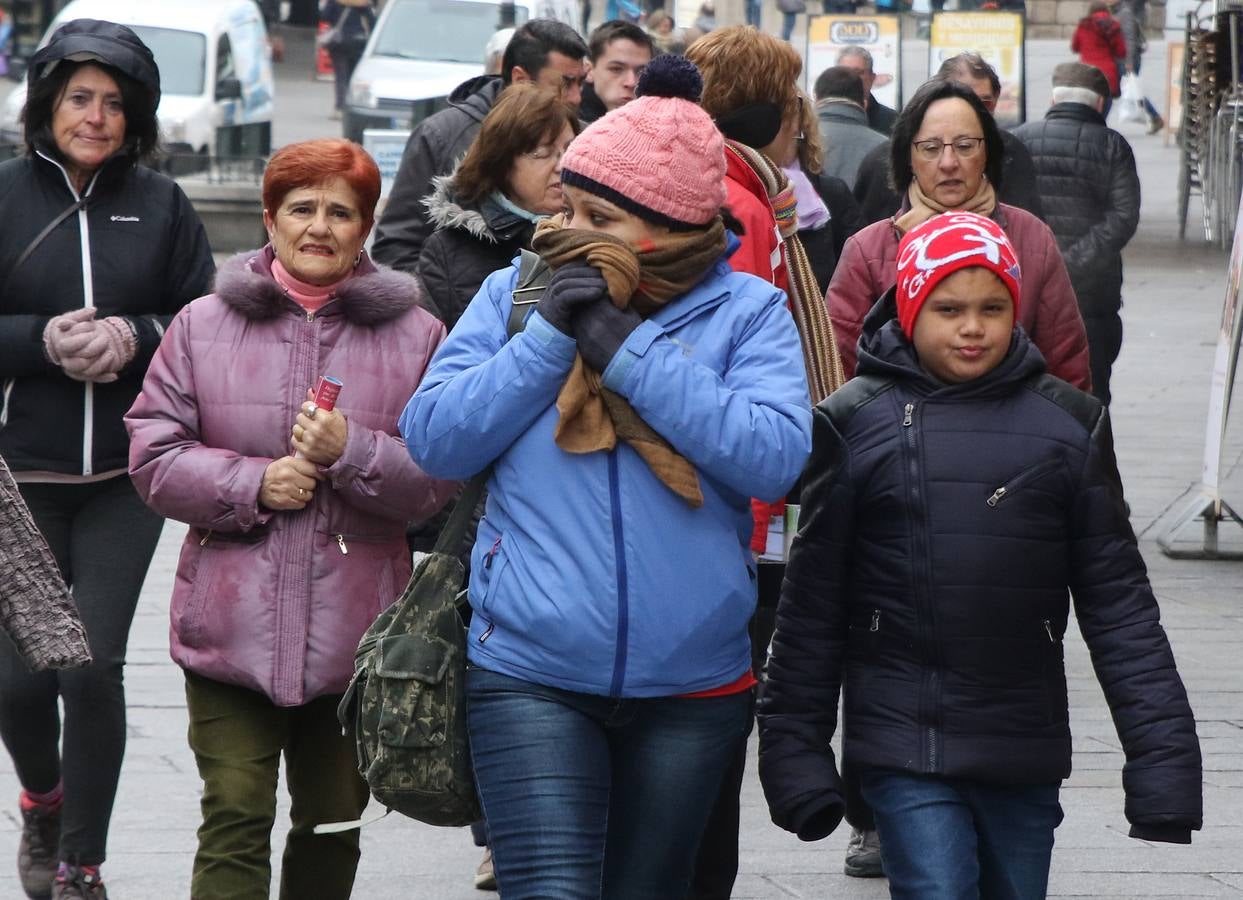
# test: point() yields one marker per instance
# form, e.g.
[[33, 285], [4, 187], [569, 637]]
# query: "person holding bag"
[[350, 23], [649, 396], [297, 514]]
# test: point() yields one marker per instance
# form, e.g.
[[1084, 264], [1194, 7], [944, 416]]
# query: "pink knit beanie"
[[660, 156]]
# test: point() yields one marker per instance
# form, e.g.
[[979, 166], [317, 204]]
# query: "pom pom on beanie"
[[660, 156], [933, 250]]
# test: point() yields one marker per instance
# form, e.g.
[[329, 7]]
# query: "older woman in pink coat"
[[297, 514]]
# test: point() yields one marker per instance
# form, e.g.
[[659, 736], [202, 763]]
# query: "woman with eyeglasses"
[[946, 154], [487, 209]]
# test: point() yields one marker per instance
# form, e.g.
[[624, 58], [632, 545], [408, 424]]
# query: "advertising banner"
[[828, 36], [998, 38]]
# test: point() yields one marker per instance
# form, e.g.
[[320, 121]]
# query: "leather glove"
[[601, 329], [572, 286]]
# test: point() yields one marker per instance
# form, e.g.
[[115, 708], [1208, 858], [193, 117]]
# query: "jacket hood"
[[1078, 111], [485, 221], [884, 350], [476, 95], [372, 296], [106, 42]]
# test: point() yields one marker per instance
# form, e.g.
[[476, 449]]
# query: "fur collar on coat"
[[485, 221], [372, 296]]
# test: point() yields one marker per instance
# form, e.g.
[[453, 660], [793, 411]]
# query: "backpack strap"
[[533, 277]]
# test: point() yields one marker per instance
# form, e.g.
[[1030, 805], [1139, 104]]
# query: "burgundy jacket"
[[277, 601], [1048, 310]]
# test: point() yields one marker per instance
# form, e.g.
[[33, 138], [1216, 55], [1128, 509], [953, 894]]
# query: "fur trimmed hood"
[[486, 221], [373, 295]]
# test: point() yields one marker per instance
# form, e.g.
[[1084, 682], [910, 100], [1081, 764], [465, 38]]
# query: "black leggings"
[[103, 537]]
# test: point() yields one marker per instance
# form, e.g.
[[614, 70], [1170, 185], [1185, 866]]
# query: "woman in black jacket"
[[485, 212], [956, 493], [97, 254]]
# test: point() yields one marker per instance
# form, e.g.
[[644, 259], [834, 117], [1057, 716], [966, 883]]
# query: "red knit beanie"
[[942, 245], [660, 156]]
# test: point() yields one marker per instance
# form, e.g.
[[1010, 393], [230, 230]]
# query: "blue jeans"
[[947, 839], [596, 797]]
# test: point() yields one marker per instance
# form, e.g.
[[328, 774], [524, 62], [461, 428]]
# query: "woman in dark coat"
[[485, 212], [97, 254]]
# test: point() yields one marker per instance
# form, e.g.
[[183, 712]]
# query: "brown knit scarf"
[[645, 276], [811, 315], [924, 207]]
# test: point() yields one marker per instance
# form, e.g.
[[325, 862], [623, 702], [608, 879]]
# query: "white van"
[[215, 72], [420, 50]]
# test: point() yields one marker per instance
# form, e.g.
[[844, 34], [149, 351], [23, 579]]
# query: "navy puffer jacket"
[[941, 527]]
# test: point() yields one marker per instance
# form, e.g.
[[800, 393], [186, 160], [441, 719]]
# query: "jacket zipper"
[[932, 686], [4, 409], [88, 299], [345, 551], [1023, 478], [623, 598]]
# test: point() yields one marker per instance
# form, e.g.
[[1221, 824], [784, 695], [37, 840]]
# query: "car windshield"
[[180, 56], [441, 30]]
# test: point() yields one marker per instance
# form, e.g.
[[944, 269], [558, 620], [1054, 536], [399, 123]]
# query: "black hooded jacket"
[[941, 528], [434, 148]]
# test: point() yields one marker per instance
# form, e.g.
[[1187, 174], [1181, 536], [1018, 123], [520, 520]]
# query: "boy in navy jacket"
[[956, 495]]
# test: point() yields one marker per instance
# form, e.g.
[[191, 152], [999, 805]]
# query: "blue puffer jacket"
[[589, 574], [941, 528]]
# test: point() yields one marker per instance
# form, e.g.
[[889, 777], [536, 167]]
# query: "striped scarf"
[[811, 317]]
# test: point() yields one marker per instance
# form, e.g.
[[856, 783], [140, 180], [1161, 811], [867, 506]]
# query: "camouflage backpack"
[[406, 704]]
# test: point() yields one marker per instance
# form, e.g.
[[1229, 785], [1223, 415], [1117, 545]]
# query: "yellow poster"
[[828, 36], [998, 38]]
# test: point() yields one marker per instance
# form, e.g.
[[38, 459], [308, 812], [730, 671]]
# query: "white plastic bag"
[[1131, 103]]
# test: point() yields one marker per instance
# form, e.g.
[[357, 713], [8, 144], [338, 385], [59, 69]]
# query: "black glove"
[[572, 286], [600, 330]]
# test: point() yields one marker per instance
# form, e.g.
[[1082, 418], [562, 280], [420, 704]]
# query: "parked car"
[[419, 51], [215, 72]]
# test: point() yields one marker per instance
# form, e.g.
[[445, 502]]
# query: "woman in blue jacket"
[[651, 394]]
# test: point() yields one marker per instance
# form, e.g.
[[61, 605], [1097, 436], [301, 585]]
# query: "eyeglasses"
[[963, 147], [546, 152]]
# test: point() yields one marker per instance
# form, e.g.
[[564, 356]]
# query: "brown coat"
[[36, 611], [1048, 310]]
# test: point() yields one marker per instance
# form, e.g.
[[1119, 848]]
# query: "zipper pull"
[[345, 551], [310, 317], [1048, 629], [206, 538], [906, 419], [997, 497], [487, 560], [875, 620]]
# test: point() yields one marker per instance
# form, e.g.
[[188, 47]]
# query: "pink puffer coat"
[[276, 601]]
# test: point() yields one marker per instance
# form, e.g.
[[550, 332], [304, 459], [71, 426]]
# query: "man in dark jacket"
[[1090, 191], [1018, 184], [844, 131], [619, 52], [544, 51], [880, 116]]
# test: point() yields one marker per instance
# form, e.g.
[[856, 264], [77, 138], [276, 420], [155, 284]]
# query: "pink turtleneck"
[[309, 296]]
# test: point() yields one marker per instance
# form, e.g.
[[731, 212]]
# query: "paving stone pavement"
[[1173, 299]]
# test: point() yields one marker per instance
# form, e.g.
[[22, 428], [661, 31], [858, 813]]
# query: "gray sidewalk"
[[1174, 292]]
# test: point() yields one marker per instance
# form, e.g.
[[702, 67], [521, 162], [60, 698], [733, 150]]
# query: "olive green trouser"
[[237, 736]]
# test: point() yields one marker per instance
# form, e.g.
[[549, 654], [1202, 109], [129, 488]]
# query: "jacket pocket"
[[495, 562], [1021, 480], [191, 622], [1055, 690]]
